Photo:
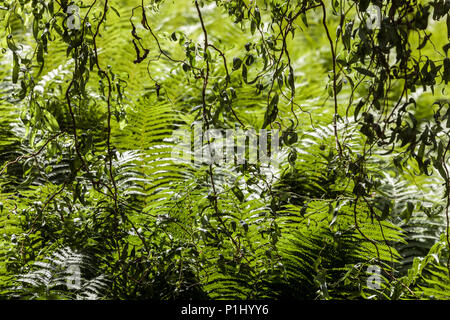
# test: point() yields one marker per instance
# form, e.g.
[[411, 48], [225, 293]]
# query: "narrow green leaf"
[[304, 19], [244, 73], [238, 193], [15, 73], [448, 25], [115, 10], [364, 71], [35, 28], [446, 73], [291, 80]]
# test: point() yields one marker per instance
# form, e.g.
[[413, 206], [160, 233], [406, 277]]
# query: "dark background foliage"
[[90, 128]]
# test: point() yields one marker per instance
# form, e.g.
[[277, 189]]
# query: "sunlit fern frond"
[[429, 274], [324, 242], [62, 275]]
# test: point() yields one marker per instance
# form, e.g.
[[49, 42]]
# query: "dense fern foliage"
[[108, 188]]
